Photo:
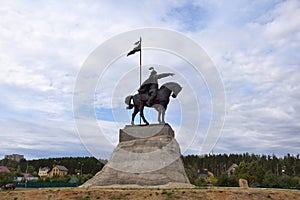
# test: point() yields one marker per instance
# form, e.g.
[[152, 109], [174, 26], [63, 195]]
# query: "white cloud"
[[39, 138], [255, 45], [260, 73]]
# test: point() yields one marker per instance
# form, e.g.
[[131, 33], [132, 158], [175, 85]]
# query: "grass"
[[83, 198], [162, 194], [118, 197]]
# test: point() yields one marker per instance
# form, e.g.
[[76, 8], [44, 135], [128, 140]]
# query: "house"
[[4, 169], [26, 177], [204, 174], [58, 170], [231, 169], [15, 157], [29, 177], [43, 172]]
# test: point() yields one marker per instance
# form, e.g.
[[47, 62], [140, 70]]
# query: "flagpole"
[[140, 76], [135, 49], [141, 62]]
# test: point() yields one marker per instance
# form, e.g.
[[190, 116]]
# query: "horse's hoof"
[[132, 123]]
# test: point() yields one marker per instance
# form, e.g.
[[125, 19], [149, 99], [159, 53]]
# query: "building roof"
[[26, 175], [231, 169], [205, 173], [16, 157], [62, 168], [4, 169], [233, 166], [45, 169]]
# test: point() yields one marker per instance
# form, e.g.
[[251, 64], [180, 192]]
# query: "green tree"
[[201, 182], [213, 180], [6, 177], [30, 169], [256, 172], [295, 181], [270, 180], [284, 181], [242, 171], [225, 181], [192, 174]]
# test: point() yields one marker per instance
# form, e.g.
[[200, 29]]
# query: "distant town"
[[69, 171], [208, 170]]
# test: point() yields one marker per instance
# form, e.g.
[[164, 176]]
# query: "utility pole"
[[81, 164]]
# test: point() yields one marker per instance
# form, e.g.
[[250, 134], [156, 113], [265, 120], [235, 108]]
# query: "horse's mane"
[[170, 85]]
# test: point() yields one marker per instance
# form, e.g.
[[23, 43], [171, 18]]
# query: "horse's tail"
[[128, 102]]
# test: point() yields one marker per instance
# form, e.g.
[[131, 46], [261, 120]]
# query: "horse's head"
[[174, 87]]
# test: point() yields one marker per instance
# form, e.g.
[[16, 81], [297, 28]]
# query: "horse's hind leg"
[[136, 110], [143, 117]]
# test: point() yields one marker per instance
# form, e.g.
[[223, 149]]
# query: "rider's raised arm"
[[163, 75]]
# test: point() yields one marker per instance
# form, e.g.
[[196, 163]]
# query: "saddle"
[[145, 96], [145, 90]]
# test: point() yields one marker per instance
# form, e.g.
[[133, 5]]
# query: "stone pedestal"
[[145, 156]]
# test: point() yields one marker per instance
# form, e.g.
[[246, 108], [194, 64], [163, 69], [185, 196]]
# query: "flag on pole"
[[135, 49]]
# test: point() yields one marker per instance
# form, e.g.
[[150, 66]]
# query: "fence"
[[45, 184]]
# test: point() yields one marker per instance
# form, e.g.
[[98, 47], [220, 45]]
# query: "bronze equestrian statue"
[[151, 84], [149, 95]]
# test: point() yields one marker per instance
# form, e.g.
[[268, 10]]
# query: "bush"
[[270, 180], [226, 181], [295, 181], [201, 182]]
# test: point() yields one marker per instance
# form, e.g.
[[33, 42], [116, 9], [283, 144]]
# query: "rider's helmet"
[[153, 71]]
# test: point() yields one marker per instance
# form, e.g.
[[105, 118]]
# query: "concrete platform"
[[133, 132]]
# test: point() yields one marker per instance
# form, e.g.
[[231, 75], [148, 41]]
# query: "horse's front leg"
[[163, 115], [158, 109], [159, 116], [163, 112], [142, 115]]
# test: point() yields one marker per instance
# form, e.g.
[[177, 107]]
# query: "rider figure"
[[151, 84]]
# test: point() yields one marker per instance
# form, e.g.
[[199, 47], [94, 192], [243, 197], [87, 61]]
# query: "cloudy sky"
[[254, 45]]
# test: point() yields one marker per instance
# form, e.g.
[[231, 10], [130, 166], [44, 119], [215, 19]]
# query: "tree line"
[[258, 170]]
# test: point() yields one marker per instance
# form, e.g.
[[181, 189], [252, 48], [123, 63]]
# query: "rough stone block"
[[145, 156]]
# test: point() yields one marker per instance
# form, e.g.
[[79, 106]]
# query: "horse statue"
[[160, 102]]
